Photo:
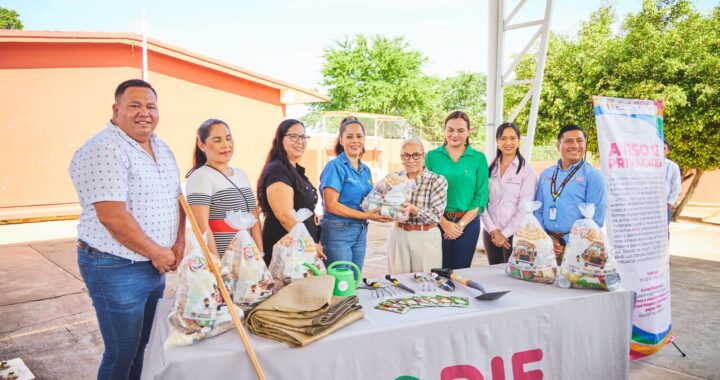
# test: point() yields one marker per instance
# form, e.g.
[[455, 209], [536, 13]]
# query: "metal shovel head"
[[491, 296], [485, 296]]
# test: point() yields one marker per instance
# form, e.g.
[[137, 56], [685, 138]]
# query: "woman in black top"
[[283, 186]]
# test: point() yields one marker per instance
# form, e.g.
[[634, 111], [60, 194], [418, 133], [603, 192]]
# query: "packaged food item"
[[532, 258], [199, 311], [243, 269], [292, 252], [389, 194], [588, 261]]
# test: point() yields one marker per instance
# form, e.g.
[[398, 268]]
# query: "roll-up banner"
[[630, 143]]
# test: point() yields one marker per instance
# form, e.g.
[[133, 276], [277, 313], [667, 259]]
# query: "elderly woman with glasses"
[[283, 186], [416, 244]]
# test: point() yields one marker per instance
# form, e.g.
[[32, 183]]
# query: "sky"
[[285, 39]]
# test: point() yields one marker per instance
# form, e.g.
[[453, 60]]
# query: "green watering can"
[[345, 282]]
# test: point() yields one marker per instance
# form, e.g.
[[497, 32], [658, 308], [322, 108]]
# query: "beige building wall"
[[46, 114]]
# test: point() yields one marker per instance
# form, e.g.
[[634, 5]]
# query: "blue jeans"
[[124, 294], [458, 253], [344, 240]]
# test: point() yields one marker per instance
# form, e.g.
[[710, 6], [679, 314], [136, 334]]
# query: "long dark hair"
[[203, 131], [277, 152], [348, 120], [458, 115], [498, 155]]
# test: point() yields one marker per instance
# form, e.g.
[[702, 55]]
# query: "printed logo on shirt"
[[579, 179], [351, 180]]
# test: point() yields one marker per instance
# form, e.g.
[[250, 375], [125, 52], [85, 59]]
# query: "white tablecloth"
[[563, 333]]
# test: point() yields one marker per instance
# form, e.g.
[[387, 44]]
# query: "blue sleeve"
[[368, 183], [597, 193], [332, 176], [539, 197]]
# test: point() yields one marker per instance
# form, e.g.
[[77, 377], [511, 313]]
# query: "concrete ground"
[[48, 320]]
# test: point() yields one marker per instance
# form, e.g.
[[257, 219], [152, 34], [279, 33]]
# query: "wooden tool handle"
[[467, 282], [223, 291]]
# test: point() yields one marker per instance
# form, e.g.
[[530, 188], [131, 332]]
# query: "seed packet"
[[444, 301], [460, 301], [410, 302], [423, 301], [433, 302], [388, 305]]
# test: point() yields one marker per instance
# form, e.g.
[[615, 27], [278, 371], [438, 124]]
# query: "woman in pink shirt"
[[512, 182]]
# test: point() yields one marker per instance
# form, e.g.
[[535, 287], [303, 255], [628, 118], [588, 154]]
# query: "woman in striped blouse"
[[214, 187]]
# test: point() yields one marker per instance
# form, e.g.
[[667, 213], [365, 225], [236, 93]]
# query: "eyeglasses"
[[415, 156], [294, 137]]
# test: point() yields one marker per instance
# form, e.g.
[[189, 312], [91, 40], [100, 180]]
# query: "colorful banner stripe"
[[645, 343]]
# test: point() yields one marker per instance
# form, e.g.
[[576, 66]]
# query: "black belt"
[[83, 245]]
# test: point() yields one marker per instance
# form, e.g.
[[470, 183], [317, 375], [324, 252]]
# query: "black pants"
[[458, 253], [495, 254]]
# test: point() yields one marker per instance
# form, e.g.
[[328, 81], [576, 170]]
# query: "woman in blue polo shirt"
[[344, 182]]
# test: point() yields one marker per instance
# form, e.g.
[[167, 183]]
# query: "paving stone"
[[61, 252], [28, 276]]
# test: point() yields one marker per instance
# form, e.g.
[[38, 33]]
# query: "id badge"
[[553, 213]]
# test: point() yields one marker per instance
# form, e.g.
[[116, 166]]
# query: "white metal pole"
[[494, 75], [144, 47], [537, 86]]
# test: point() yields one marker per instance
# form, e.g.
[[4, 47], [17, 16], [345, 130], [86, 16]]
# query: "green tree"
[[384, 75], [666, 51], [380, 75], [9, 19], [575, 69], [464, 91], [467, 91]]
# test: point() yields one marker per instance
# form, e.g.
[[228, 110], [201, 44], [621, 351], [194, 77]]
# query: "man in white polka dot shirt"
[[131, 227]]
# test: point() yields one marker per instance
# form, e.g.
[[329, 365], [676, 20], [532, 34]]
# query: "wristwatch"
[[461, 224]]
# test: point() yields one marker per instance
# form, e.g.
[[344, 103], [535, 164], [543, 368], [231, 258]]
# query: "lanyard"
[[247, 204], [556, 193]]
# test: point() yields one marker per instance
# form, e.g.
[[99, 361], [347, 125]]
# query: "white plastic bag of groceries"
[[243, 269], [532, 258], [588, 261], [199, 311], [292, 252], [389, 194]]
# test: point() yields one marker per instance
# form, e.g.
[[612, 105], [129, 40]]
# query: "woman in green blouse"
[[466, 171]]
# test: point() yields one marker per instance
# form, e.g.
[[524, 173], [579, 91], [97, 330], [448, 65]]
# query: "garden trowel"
[[485, 296]]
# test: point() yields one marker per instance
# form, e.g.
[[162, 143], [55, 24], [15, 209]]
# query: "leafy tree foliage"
[[381, 75], [9, 19], [666, 51], [384, 75]]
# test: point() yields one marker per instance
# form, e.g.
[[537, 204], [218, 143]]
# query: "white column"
[[494, 75], [537, 85], [144, 47]]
